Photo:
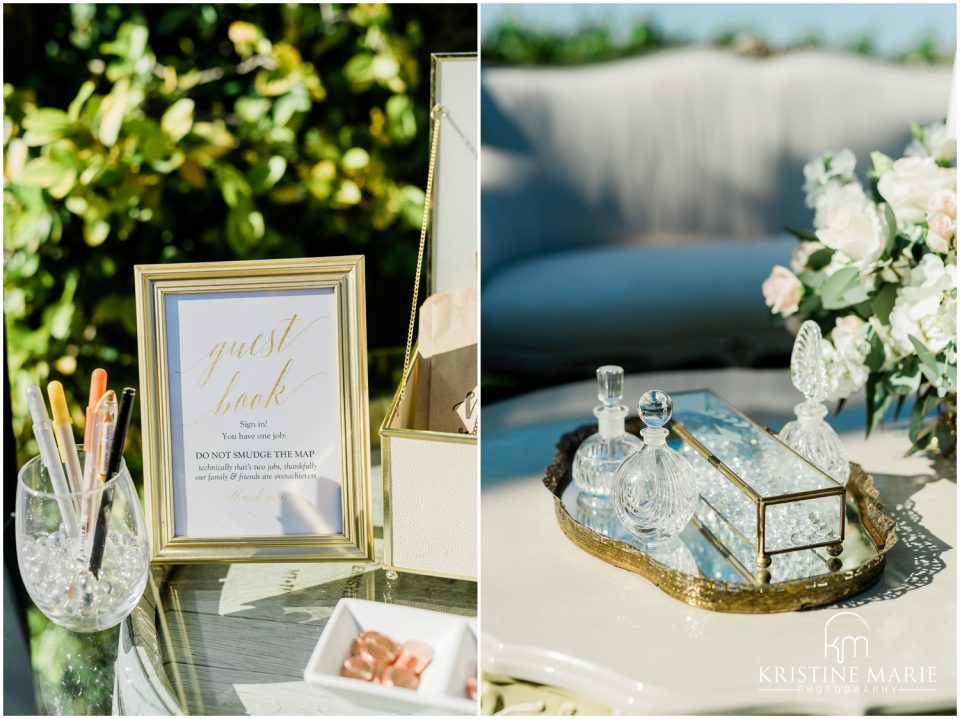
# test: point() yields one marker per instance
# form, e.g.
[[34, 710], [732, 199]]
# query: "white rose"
[[782, 291], [855, 229], [910, 184], [833, 196], [926, 308], [944, 201], [940, 232]]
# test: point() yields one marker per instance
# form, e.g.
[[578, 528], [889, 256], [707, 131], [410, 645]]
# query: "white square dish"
[[442, 684]]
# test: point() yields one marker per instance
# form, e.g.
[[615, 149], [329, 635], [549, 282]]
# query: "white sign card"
[[255, 423]]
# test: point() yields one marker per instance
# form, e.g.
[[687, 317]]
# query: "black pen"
[[115, 457]]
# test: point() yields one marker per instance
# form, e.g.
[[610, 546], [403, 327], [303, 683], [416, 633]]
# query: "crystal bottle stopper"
[[656, 408], [610, 415], [809, 434]]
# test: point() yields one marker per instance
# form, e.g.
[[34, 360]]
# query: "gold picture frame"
[[344, 277]]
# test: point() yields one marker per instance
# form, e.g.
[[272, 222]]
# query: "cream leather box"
[[430, 478]]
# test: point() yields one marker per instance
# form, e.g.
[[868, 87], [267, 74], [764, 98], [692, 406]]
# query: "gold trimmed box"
[[430, 496], [431, 479]]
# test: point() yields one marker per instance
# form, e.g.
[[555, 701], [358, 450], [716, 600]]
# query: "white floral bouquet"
[[879, 275]]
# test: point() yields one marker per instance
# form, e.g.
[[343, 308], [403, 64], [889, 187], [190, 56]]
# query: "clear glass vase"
[[654, 491], [55, 562]]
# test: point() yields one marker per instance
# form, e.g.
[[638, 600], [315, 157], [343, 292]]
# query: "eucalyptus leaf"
[[813, 280], [883, 301], [905, 378], [809, 304], [876, 356], [891, 230], [843, 289], [950, 372], [878, 401], [820, 259], [802, 234], [928, 363]]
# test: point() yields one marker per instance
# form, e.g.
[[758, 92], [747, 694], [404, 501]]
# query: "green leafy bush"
[[211, 132]]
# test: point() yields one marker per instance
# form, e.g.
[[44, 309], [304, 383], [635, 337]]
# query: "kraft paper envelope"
[[447, 381]]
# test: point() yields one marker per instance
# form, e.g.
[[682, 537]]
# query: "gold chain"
[[437, 113]]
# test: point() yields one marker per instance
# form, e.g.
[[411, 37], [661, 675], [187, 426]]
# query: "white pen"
[[43, 431]]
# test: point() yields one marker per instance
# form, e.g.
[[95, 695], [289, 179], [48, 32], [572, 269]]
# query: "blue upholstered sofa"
[[630, 211]]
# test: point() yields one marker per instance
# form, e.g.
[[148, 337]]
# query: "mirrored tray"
[[708, 571]]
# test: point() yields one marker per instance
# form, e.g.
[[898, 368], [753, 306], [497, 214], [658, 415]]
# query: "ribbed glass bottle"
[[654, 491]]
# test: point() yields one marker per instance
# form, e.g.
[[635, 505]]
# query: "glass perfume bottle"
[[809, 434], [654, 490], [601, 454]]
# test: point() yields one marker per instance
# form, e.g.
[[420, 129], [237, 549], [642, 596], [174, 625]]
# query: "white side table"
[[541, 593]]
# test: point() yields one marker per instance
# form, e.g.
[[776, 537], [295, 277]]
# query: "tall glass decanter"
[[601, 454], [654, 491], [809, 434]]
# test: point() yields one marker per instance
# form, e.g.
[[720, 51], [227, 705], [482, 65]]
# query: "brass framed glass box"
[[766, 494]]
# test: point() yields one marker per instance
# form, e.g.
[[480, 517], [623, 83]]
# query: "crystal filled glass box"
[[756, 492]]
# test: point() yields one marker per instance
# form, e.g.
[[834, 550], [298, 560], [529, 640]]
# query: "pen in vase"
[[63, 431], [98, 385], [113, 466], [101, 437], [48, 455]]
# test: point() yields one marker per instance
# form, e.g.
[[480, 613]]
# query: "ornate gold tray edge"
[[721, 596]]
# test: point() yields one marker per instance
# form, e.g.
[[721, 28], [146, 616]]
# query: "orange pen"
[[98, 385]]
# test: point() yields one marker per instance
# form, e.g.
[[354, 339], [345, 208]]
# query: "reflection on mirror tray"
[[711, 548], [712, 564]]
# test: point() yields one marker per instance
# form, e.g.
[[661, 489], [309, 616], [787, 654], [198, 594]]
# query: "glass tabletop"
[[231, 639]]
